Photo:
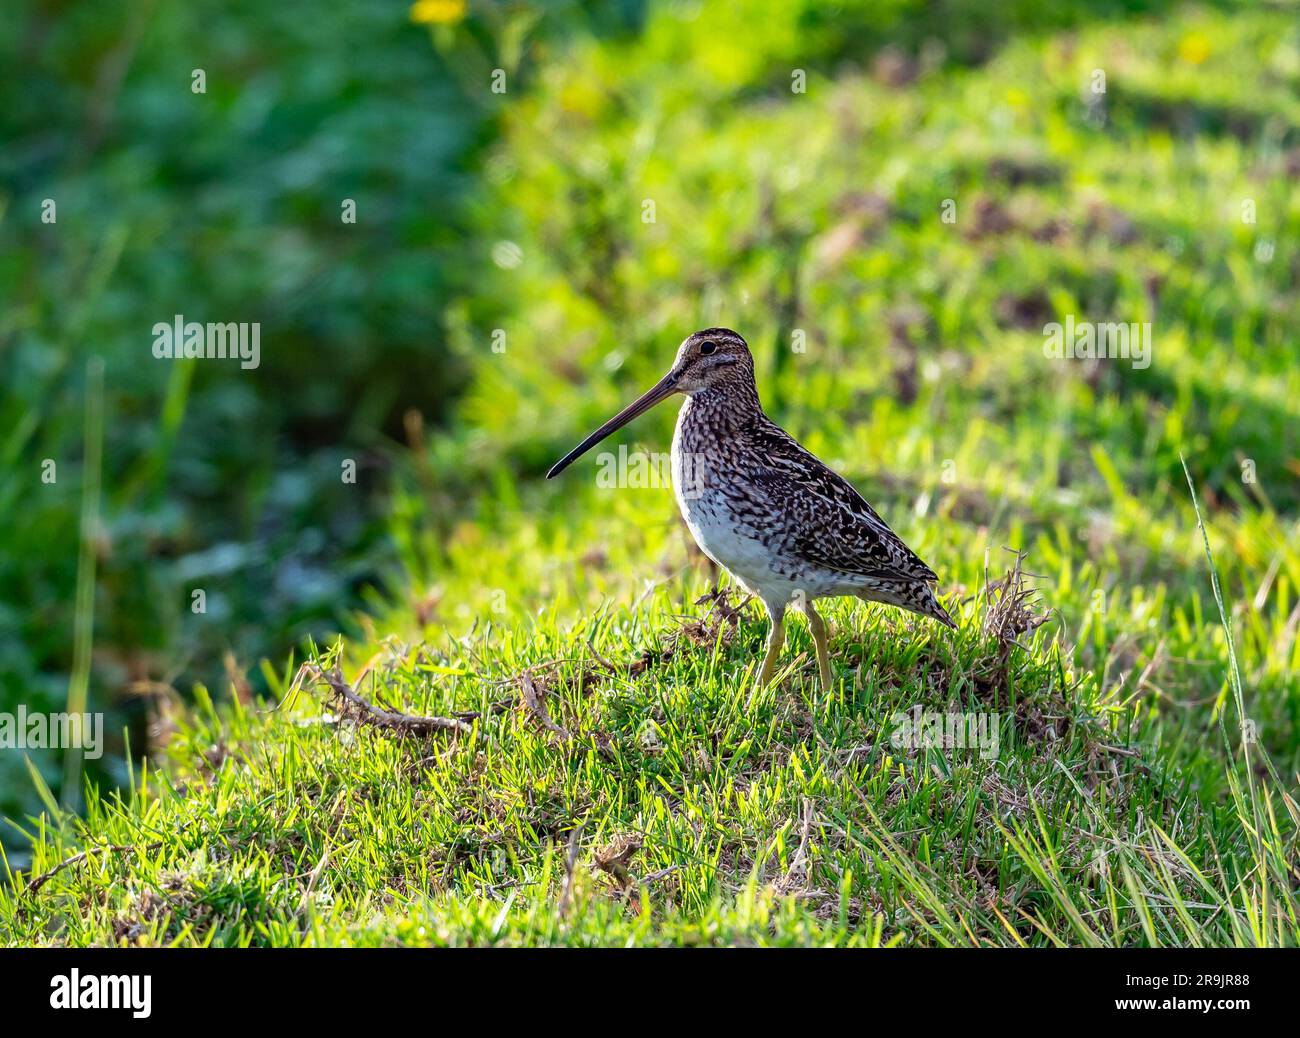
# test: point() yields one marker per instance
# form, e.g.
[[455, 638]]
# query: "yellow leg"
[[775, 639], [818, 628]]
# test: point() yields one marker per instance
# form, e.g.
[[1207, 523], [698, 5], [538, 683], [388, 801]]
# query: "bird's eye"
[[707, 347]]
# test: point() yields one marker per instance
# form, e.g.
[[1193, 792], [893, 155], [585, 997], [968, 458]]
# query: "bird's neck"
[[723, 409]]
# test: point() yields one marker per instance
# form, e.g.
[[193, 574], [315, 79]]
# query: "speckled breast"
[[731, 526]]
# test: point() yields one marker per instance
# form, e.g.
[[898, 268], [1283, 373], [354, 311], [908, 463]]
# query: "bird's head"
[[709, 359], [715, 358]]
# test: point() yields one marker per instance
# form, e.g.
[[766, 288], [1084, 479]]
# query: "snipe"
[[788, 528]]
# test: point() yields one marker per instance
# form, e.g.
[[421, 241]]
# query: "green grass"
[[788, 819], [662, 804]]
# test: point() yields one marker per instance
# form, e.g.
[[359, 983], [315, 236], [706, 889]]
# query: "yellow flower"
[[1194, 48], [444, 11]]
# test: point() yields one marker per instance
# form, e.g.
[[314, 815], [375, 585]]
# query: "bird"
[[789, 529]]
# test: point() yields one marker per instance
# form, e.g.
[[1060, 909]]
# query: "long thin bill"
[[662, 389]]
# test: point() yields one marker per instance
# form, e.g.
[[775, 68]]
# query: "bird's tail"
[[915, 596]]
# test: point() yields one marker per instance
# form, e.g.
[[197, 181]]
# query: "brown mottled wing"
[[830, 525]]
